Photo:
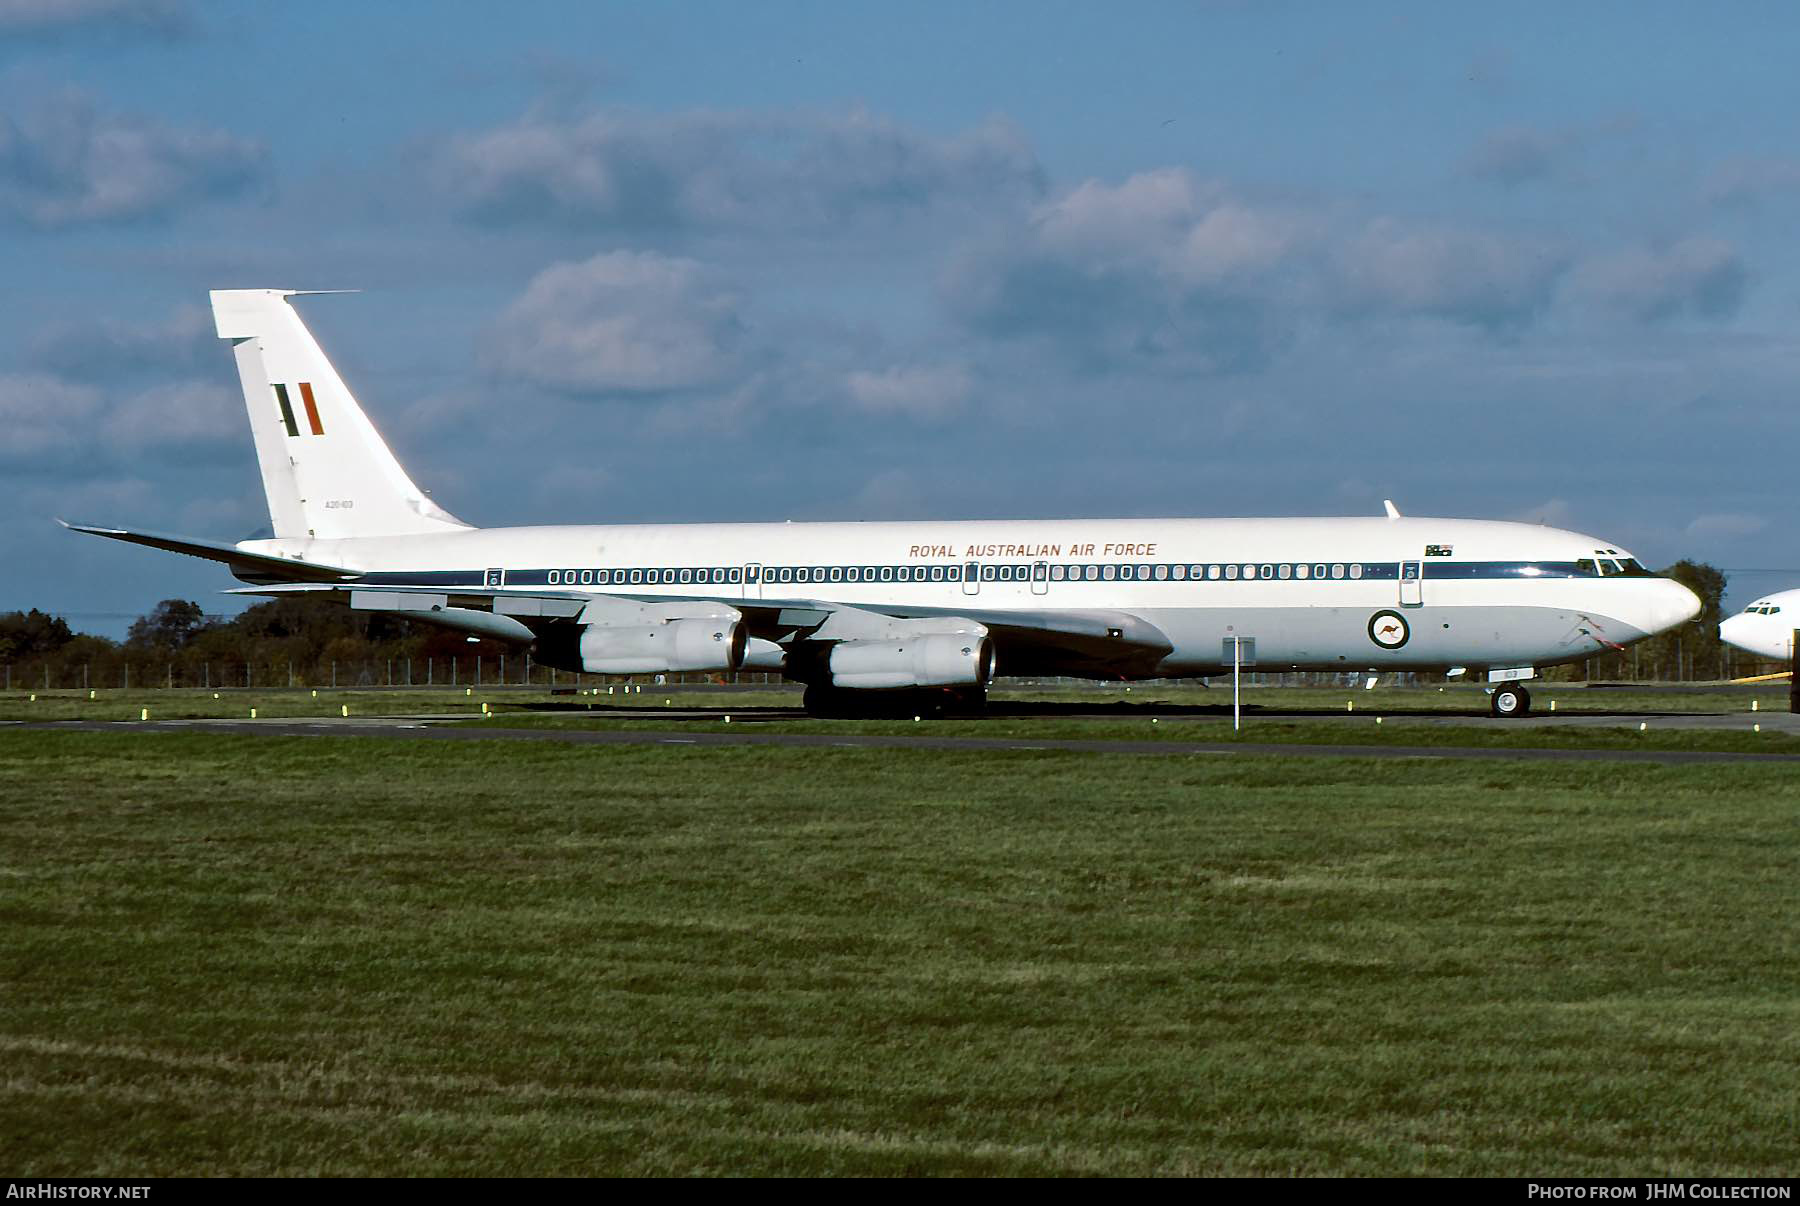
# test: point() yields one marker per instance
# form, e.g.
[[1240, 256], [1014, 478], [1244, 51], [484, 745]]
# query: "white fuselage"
[[1766, 627], [1334, 593]]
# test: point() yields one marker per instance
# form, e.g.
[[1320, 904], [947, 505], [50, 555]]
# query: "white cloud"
[[621, 322], [1552, 512], [66, 164], [1476, 277], [45, 418], [1747, 180], [1698, 276], [1725, 525], [1167, 222], [107, 349], [53, 423], [928, 392], [184, 414], [104, 17], [788, 171]]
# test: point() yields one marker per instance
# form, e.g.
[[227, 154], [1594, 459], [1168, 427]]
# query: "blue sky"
[[704, 261]]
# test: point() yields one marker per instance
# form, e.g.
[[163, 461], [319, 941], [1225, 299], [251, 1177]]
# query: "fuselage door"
[[753, 577], [972, 578], [1040, 578], [1412, 586]]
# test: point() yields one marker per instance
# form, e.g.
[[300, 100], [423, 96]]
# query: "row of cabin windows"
[[1038, 571]]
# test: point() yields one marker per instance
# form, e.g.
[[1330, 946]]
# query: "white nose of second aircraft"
[[1764, 636]]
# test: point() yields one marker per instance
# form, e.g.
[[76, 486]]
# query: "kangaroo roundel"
[[1388, 629]]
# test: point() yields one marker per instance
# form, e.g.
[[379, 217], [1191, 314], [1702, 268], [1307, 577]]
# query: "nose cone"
[[1682, 604], [1656, 605], [1761, 635], [1664, 604]]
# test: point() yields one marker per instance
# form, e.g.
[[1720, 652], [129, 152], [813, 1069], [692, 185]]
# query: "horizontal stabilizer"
[[249, 566]]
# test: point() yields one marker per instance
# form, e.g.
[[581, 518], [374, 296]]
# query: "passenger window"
[[887, 573], [1302, 571], [1355, 570], [1056, 573], [1109, 572], [1231, 571], [1337, 571], [1143, 573], [1268, 571], [1212, 571], [1181, 573], [837, 573], [937, 573], [956, 573]]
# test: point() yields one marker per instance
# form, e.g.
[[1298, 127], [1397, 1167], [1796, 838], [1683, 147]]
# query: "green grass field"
[[354, 956]]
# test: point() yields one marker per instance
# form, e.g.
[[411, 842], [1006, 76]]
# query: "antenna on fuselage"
[[1393, 512]]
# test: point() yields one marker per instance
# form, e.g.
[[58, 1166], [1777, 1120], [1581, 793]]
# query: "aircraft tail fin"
[[326, 470]]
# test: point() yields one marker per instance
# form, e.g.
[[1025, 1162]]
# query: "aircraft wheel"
[[1510, 701]]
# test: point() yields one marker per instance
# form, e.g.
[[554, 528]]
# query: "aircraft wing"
[[1038, 641]]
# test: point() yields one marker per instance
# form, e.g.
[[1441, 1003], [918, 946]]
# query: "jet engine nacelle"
[[927, 660], [702, 644]]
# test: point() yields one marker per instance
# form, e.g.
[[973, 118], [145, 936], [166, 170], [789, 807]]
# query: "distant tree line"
[[313, 643], [291, 641]]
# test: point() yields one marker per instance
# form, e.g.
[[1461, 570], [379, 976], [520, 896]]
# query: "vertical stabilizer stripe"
[[312, 411], [287, 412]]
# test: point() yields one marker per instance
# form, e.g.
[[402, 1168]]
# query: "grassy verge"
[[273, 956], [236, 703], [1394, 728]]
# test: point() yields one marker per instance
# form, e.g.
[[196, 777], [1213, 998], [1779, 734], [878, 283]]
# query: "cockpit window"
[[1587, 567]]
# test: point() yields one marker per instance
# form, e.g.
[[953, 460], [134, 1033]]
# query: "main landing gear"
[[1509, 700]]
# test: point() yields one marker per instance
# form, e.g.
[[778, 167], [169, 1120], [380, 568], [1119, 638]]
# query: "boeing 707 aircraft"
[[864, 612]]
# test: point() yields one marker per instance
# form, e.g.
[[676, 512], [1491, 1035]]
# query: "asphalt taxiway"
[[761, 729]]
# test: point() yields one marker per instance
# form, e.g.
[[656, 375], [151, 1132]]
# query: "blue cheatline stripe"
[[287, 411], [1198, 574]]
